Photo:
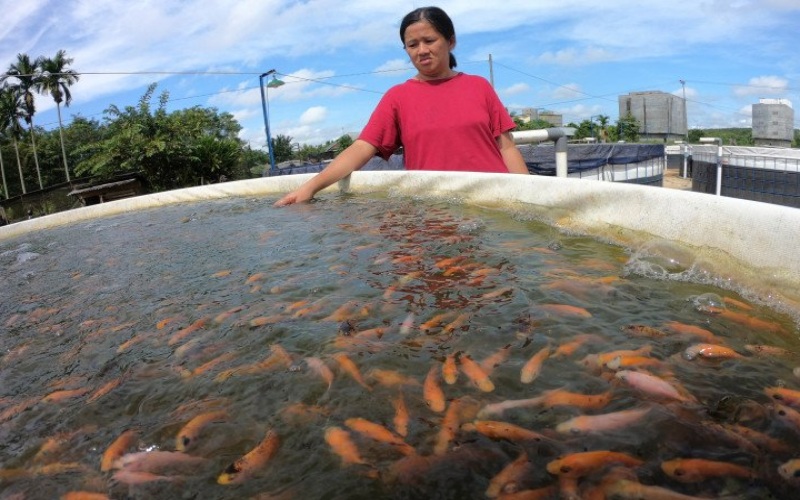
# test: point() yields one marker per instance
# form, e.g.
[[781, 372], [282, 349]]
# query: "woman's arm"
[[348, 161], [511, 155]]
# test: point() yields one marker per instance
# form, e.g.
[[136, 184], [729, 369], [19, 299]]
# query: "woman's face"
[[429, 50]]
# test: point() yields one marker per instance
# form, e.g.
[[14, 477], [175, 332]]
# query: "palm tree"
[[11, 111], [56, 79], [26, 73]]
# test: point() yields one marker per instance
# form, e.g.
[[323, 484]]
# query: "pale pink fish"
[[585, 424], [532, 368], [158, 461], [652, 385], [320, 368]]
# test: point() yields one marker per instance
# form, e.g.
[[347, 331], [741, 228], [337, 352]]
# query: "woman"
[[445, 120]]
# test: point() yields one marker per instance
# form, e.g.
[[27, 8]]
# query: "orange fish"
[[221, 317], [83, 495], [391, 378], [104, 389], [185, 332], [503, 430], [694, 331], [709, 351], [401, 418], [432, 391], [532, 368], [255, 277], [340, 442], [634, 361], [694, 470], [494, 360], [435, 321], [221, 274], [447, 432], [737, 304], [627, 489], [350, 368], [749, 321], [565, 310], [252, 461], [63, 395], [475, 373], [584, 463], [787, 415], [790, 470], [767, 350], [601, 359], [644, 331], [783, 395], [585, 424], [569, 348], [266, 320], [759, 439], [164, 322], [507, 480], [459, 321], [117, 449], [449, 369], [379, 433], [653, 386], [560, 397], [189, 433], [210, 364]]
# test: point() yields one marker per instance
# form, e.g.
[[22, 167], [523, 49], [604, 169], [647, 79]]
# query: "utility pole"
[[491, 71], [685, 118]]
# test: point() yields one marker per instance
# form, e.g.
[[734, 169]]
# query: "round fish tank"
[[406, 335]]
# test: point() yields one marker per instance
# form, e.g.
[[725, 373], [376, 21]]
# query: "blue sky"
[[337, 58]]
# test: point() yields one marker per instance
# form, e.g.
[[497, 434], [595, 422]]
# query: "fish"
[[351, 369], [432, 391], [626, 362], [768, 350], [83, 495], [188, 434], [130, 477], [694, 331], [695, 470], [644, 331], [709, 351], [117, 449], [185, 332], [569, 348], [750, 321], [158, 462], [457, 323], [783, 395], [210, 364], [759, 439], [266, 320], [790, 470], [600, 360], [653, 386], [496, 429], [565, 310], [255, 277], [788, 416], [508, 479], [561, 397], [319, 367], [379, 433], [450, 369], [543, 493], [585, 424], [391, 378], [577, 465], [475, 373], [497, 409], [531, 369], [436, 320], [342, 445], [104, 389], [221, 317], [401, 417], [496, 359], [63, 395], [449, 426], [253, 461], [625, 489]]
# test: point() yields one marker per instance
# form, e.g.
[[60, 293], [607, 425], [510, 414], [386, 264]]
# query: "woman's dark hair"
[[438, 18]]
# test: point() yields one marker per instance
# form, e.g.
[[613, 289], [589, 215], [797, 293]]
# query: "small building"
[[660, 115], [773, 123], [530, 114], [109, 191]]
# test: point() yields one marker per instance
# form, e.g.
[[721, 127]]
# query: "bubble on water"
[[471, 227], [707, 302], [796, 371]]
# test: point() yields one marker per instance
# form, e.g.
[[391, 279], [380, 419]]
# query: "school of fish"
[[460, 366]]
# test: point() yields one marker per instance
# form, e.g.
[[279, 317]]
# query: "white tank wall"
[[755, 244]]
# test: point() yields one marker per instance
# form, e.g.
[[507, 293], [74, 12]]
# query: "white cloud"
[[575, 57], [313, 115], [568, 91], [395, 66], [517, 88], [762, 86]]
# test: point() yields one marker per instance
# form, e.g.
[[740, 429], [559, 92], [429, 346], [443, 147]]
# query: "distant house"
[[660, 115], [122, 187]]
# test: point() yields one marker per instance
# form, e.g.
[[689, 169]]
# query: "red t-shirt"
[[449, 124]]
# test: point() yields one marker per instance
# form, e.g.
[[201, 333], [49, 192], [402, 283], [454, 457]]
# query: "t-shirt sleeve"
[[499, 118], [383, 128]]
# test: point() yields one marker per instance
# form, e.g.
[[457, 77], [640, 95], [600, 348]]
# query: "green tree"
[[56, 79], [628, 128], [602, 120], [283, 148], [26, 75], [12, 110]]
